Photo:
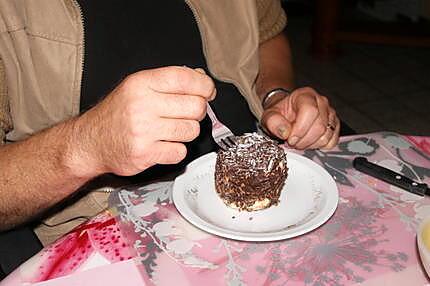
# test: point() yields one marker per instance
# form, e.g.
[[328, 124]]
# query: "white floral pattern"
[[372, 232]]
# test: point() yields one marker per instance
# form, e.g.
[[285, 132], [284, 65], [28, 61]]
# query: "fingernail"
[[282, 132], [200, 70], [293, 140]]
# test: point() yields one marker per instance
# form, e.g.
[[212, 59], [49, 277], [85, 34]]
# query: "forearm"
[[40, 171], [276, 68]]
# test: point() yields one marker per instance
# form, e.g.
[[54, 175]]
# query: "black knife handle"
[[391, 177]]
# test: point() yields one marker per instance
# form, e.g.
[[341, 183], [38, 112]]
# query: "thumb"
[[202, 71], [276, 124]]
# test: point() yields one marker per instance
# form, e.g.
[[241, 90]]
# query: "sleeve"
[[271, 17], [5, 119]]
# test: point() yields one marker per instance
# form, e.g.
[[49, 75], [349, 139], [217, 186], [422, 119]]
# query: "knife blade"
[[389, 176]]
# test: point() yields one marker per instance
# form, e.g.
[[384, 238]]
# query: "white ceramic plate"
[[423, 250], [309, 198]]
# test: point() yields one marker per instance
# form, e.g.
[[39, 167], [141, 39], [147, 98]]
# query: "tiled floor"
[[372, 87]]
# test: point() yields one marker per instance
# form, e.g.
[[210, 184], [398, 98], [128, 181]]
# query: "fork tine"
[[232, 139], [229, 141], [221, 134], [225, 141], [222, 145]]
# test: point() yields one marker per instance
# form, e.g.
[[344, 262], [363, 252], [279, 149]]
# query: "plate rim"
[[314, 223]]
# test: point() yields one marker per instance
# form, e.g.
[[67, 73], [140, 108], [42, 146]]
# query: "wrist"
[[80, 157], [274, 96]]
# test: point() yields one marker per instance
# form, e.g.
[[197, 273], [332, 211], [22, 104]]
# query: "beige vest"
[[41, 57]]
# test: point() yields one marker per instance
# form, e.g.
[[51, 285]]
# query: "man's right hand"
[[142, 122]]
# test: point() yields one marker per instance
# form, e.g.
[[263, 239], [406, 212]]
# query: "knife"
[[389, 176]]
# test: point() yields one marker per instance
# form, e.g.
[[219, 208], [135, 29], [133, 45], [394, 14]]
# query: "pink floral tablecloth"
[[370, 240]]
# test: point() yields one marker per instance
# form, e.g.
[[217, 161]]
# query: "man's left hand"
[[304, 119]]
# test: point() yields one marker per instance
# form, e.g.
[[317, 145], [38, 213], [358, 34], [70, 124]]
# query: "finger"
[[276, 124], [200, 70], [319, 134], [161, 152], [324, 109], [316, 131], [331, 124], [335, 138], [179, 106], [181, 80], [330, 131], [175, 130], [323, 140], [167, 152], [307, 113]]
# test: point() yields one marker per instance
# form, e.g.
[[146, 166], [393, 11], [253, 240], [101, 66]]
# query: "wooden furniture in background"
[[329, 30]]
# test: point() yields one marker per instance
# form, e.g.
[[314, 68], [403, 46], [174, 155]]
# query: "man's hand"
[[144, 121], [304, 119]]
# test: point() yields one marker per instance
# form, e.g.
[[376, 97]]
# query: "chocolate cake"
[[251, 175]]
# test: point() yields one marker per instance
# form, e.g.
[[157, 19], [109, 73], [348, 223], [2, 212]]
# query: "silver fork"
[[221, 134]]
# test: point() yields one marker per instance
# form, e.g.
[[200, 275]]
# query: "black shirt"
[[125, 36]]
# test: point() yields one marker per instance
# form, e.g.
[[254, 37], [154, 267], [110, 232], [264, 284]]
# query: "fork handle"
[[211, 114]]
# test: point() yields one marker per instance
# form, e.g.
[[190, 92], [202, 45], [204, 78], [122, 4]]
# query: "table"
[[142, 239]]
